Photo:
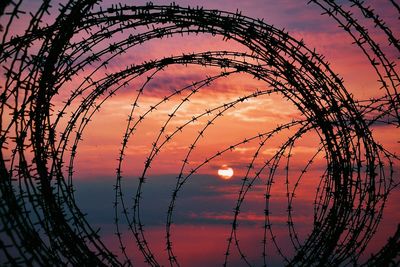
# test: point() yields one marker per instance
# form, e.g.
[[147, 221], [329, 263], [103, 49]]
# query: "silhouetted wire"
[[41, 222]]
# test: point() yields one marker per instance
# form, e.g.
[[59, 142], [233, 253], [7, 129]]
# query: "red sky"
[[207, 201]]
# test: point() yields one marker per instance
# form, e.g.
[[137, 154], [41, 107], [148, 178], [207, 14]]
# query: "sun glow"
[[225, 172]]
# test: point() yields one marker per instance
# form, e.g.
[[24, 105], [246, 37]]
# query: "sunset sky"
[[204, 208]]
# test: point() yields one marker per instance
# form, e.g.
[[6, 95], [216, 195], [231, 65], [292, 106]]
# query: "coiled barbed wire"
[[41, 222]]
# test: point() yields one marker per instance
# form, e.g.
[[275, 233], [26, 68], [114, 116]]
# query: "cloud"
[[204, 199]]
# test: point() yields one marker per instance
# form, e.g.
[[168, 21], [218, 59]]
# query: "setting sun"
[[225, 172]]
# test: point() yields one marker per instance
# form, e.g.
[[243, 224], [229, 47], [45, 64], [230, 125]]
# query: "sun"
[[225, 172]]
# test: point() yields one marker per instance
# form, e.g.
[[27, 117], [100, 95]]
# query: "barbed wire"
[[41, 221]]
